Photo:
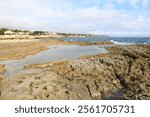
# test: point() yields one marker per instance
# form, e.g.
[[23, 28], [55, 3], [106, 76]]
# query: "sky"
[[100, 17]]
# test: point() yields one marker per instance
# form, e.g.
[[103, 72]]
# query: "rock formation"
[[124, 73]]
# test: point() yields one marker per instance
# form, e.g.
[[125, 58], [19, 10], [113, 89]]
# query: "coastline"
[[17, 49], [122, 73], [22, 37]]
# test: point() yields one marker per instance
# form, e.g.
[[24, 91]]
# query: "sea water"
[[115, 40]]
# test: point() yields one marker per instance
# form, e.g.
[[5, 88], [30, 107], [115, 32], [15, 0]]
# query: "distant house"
[[52, 33], [9, 32], [28, 33], [21, 33]]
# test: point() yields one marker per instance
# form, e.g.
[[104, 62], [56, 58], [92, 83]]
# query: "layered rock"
[[125, 74]]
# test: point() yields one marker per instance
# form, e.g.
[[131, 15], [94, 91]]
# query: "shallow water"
[[54, 53]]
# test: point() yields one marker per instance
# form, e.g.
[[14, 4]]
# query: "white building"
[[52, 33], [21, 33], [9, 32]]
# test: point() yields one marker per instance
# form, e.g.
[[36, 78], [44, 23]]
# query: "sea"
[[115, 40]]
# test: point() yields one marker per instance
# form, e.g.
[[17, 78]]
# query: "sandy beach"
[[15, 49]]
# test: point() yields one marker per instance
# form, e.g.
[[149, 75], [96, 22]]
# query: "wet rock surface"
[[123, 74], [2, 69]]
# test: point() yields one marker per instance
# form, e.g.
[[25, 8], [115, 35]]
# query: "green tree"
[[38, 33], [3, 30]]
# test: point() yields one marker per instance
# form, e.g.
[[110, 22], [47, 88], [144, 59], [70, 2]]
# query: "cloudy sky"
[[112, 17]]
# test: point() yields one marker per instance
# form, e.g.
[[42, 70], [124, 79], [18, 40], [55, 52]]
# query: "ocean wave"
[[120, 43]]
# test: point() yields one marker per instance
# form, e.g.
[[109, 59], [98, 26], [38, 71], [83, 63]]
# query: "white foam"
[[120, 43]]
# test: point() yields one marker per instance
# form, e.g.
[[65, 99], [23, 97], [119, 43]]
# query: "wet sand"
[[16, 49]]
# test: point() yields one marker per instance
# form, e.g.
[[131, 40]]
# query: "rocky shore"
[[122, 73]]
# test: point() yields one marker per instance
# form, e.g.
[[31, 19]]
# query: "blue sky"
[[111, 17]]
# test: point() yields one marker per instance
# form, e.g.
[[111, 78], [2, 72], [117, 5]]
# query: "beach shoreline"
[[12, 49], [122, 73], [17, 49]]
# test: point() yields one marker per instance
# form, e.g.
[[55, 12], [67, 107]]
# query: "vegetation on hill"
[[38, 33], [3, 30], [46, 33], [15, 30], [72, 34]]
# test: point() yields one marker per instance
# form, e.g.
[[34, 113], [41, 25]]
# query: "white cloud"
[[17, 22], [61, 17], [145, 3], [132, 34]]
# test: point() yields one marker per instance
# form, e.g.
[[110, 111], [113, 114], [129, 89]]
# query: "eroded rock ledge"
[[123, 73]]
